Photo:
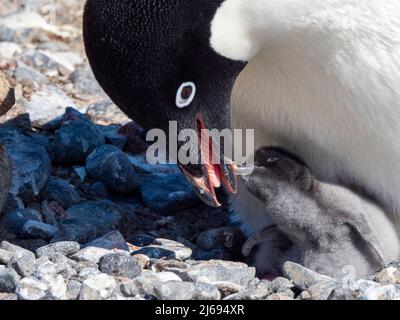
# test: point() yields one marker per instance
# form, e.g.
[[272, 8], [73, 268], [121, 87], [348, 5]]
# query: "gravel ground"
[[85, 217]]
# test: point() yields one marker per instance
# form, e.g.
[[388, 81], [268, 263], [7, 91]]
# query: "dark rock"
[[164, 248], [136, 143], [38, 230], [9, 280], [99, 190], [48, 213], [120, 264], [141, 240], [62, 192], [231, 239], [30, 162], [15, 220], [111, 241], [167, 193], [113, 137], [111, 166], [89, 221], [75, 140], [5, 177]]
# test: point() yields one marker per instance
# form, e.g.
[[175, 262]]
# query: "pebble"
[[90, 254], [303, 278], [73, 290], [216, 270], [111, 166], [120, 264], [390, 275], [105, 112], [97, 287], [24, 265], [281, 285], [8, 50], [177, 290], [31, 288], [67, 248], [47, 103], [9, 280], [258, 292], [5, 256]]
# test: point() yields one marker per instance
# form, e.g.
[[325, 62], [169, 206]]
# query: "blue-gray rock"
[[38, 230], [99, 190], [89, 221], [113, 137], [120, 264], [75, 140], [5, 176], [15, 220], [62, 192], [167, 193], [30, 162], [9, 280], [111, 166], [111, 241]]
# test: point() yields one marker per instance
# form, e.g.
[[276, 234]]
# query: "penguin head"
[[277, 173], [155, 61]]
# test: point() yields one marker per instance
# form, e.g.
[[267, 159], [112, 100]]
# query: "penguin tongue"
[[215, 175]]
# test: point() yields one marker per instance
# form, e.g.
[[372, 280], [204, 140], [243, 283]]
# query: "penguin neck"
[[240, 29]]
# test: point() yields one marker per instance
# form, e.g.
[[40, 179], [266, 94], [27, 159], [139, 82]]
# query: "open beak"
[[214, 175]]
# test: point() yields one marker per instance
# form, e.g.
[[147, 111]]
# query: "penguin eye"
[[272, 160], [185, 94]]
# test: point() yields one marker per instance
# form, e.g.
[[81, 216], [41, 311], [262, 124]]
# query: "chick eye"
[[272, 159], [185, 94]]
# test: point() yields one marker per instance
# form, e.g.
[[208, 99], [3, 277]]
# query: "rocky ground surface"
[[83, 216]]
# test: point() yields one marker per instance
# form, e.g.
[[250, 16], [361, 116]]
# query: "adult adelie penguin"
[[323, 80]]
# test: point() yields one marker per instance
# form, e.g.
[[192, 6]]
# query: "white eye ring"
[[182, 102], [272, 160]]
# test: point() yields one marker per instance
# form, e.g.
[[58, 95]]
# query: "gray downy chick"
[[324, 227]]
